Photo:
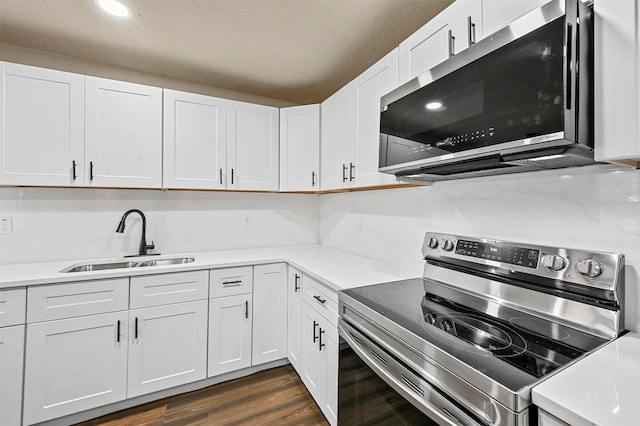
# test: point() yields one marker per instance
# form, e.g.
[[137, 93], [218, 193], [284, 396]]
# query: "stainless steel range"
[[465, 343]]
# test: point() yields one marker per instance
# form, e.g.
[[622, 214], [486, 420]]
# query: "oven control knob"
[[554, 262], [447, 325], [589, 268], [447, 245], [433, 243]]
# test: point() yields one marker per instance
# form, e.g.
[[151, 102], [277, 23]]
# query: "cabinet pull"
[[313, 178], [315, 325], [472, 31], [90, 170], [452, 41], [246, 309], [118, 332], [73, 170], [135, 329], [296, 287], [319, 299], [232, 282], [352, 176], [220, 176], [321, 345], [344, 172], [232, 177]]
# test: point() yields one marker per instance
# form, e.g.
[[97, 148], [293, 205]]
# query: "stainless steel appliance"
[[464, 344], [519, 100]]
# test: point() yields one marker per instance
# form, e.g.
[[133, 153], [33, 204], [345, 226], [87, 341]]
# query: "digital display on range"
[[520, 256]]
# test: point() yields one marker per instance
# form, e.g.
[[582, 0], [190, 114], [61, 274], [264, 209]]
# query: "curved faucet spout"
[[144, 247]]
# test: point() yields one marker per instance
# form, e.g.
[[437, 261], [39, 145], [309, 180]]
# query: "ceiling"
[[300, 51]]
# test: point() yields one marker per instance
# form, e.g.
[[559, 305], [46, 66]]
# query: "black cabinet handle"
[[232, 282], [344, 172], [315, 325], [296, 287], [118, 332], [232, 176], [246, 309], [135, 329], [321, 345], [90, 170], [351, 169], [73, 170], [313, 178], [472, 31], [319, 299], [220, 176], [452, 41]]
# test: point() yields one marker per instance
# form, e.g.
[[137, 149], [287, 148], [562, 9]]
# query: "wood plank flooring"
[[271, 397]]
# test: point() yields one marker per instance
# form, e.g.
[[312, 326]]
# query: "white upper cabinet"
[[617, 83], [195, 141], [500, 13], [300, 148], [335, 134], [252, 147], [369, 87], [42, 122], [123, 134]]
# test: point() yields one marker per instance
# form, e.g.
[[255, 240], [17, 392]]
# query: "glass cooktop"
[[508, 345]]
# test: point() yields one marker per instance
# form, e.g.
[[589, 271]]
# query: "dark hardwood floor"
[[272, 397]]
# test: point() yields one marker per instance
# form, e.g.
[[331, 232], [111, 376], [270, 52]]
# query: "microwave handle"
[[569, 67]]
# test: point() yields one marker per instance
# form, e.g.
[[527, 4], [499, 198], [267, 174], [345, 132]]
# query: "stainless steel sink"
[[125, 264]]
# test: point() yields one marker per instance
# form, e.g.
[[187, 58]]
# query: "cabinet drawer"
[[163, 289], [12, 306], [230, 281], [322, 299], [58, 301]]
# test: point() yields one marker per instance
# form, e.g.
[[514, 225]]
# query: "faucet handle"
[[151, 246]]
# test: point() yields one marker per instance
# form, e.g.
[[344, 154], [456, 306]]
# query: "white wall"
[[58, 224], [586, 208]]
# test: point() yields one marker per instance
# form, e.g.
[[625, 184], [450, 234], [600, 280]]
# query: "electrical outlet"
[[247, 223], [6, 225]]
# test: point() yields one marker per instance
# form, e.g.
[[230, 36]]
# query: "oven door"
[[375, 387]]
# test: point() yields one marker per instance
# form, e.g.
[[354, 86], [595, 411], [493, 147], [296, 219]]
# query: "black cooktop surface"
[[508, 345]]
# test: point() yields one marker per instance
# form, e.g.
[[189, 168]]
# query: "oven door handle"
[[427, 399]]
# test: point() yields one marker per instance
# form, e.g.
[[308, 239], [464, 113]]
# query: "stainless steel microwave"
[[519, 100]]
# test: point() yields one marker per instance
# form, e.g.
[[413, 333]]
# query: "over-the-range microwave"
[[519, 100]]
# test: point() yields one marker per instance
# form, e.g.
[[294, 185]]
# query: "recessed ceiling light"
[[115, 8], [434, 105]]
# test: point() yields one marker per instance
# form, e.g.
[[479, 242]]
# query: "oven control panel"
[[593, 269]]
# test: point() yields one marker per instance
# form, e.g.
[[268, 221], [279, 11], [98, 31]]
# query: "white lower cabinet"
[[11, 363], [269, 313], [294, 314], [74, 364], [319, 346], [167, 346], [229, 333]]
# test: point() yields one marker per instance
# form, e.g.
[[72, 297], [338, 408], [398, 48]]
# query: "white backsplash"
[[591, 208], [60, 224]]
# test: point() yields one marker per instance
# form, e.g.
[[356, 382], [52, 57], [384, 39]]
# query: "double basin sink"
[[126, 264]]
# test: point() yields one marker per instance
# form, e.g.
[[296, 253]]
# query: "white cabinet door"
[[269, 313], [11, 364], [252, 146], [497, 14], [195, 141], [167, 346], [314, 361], [42, 122], [617, 81], [300, 148], [425, 48], [123, 134], [75, 364], [294, 317], [335, 139], [229, 334], [377, 81]]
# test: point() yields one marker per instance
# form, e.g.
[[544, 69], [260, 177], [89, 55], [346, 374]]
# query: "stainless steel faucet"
[[144, 247]]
